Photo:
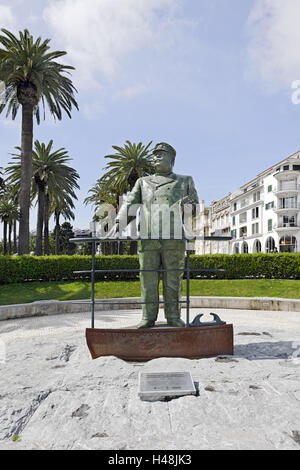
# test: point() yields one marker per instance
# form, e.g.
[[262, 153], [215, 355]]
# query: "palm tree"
[[14, 191], [32, 76], [102, 193], [128, 164], [62, 205], [9, 207], [2, 183], [8, 214], [52, 180]]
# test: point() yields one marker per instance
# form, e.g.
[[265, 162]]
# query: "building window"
[[270, 188], [233, 220], [270, 225], [257, 246], [286, 167], [287, 185], [288, 203], [288, 221], [255, 228], [235, 206], [288, 244], [270, 245], [256, 196], [233, 233], [243, 217], [243, 231], [245, 248], [270, 205], [296, 167], [255, 212]]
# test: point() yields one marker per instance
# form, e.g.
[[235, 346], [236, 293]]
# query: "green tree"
[[66, 232], [53, 181], [62, 207], [2, 183], [8, 214], [129, 163], [9, 206], [32, 76], [101, 193]]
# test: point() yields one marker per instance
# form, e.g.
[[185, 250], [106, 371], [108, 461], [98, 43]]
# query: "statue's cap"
[[165, 148]]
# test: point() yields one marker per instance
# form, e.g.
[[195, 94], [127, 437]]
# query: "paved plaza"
[[53, 396]]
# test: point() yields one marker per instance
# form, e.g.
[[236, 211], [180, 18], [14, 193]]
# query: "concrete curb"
[[56, 307]]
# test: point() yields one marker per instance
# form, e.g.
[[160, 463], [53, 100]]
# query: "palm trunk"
[[26, 174], [15, 237], [4, 237], [46, 226], [40, 219], [120, 248], [57, 233], [9, 238]]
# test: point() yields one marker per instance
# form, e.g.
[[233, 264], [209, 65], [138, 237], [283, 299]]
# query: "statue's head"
[[164, 157]]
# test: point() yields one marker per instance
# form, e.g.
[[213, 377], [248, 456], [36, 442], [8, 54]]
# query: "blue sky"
[[211, 77]]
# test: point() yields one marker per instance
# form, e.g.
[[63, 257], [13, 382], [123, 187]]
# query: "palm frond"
[[28, 62]]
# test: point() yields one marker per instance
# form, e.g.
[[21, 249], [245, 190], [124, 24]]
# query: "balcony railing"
[[284, 173], [287, 187], [287, 225], [281, 207]]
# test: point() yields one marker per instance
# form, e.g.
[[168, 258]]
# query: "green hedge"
[[61, 268], [259, 265]]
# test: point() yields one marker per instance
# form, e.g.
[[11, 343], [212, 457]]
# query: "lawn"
[[33, 291]]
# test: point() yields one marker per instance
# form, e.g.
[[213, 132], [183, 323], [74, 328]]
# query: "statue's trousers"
[[161, 254]]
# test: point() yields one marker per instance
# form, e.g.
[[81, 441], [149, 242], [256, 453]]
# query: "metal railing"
[[287, 225], [187, 270], [287, 187], [280, 207]]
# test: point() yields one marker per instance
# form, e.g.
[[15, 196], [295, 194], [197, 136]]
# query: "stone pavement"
[[53, 396]]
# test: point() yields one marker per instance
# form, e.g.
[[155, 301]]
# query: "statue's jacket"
[[163, 203]]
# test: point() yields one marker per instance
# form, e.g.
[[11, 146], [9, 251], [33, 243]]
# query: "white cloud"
[[274, 56], [92, 108], [131, 91], [101, 35], [7, 19], [9, 124]]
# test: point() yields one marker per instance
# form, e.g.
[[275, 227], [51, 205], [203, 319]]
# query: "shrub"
[[63, 268], [243, 266]]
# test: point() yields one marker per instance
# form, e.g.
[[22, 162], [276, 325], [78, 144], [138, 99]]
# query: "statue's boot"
[[176, 321], [146, 323]]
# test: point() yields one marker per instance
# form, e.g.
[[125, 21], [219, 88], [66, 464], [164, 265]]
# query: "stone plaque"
[[159, 385]]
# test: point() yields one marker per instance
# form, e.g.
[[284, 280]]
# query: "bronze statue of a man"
[[161, 198]]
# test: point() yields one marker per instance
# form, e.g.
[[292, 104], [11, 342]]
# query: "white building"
[[264, 214]]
